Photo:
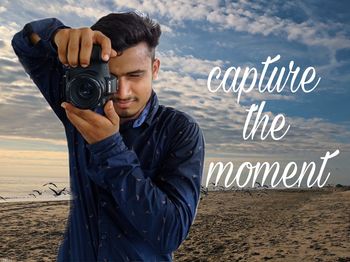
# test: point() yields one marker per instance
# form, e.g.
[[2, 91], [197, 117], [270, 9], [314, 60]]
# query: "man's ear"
[[155, 68]]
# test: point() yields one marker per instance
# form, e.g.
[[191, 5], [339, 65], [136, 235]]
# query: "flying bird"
[[57, 193], [3, 198], [204, 190], [50, 183], [38, 192], [31, 194]]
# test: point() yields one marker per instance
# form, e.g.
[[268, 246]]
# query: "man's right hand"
[[74, 46]]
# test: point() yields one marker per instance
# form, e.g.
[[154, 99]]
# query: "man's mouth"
[[124, 103]]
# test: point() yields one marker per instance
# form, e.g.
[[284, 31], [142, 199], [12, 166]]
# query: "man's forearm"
[[38, 56]]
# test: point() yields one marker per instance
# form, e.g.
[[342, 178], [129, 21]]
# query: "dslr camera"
[[89, 87]]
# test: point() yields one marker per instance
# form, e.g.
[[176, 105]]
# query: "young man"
[[135, 171]]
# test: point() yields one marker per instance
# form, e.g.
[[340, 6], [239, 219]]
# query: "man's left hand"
[[92, 126]]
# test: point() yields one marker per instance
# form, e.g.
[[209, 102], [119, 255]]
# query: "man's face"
[[135, 72]]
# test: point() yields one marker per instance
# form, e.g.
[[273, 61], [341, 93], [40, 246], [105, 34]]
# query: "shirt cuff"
[[45, 28], [104, 149]]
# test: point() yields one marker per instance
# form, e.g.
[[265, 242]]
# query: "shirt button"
[[103, 203], [103, 236]]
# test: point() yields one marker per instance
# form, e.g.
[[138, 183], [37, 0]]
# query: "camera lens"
[[85, 92]]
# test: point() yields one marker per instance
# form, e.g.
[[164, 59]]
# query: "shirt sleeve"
[[40, 61], [161, 210]]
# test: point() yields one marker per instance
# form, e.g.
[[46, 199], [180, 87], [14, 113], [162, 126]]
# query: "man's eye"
[[134, 75]]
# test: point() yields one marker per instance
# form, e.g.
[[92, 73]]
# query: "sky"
[[196, 37]]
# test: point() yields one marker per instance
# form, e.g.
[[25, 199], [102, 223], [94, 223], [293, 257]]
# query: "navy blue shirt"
[[134, 194]]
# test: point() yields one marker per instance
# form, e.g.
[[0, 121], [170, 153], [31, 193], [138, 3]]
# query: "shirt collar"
[[154, 105], [139, 121]]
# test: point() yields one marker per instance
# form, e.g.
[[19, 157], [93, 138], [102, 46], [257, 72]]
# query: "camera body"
[[89, 87]]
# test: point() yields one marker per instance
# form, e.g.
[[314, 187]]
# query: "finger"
[[105, 43], [114, 53], [62, 44], [73, 47], [110, 113], [77, 121], [85, 47], [85, 114]]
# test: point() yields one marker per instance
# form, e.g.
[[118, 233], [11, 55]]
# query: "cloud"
[[222, 119], [188, 65], [83, 10], [244, 17], [3, 9], [175, 10], [6, 34], [182, 80], [25, 113], [181, 84]]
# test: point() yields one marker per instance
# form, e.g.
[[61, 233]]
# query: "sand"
[[259, 225]]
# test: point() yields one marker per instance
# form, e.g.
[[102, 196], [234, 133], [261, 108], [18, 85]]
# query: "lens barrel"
[[85, 91]]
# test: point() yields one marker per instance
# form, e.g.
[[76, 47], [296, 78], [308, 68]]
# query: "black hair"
[[129, 29]]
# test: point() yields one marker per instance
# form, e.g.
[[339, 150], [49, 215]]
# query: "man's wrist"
[[34, 38], [110, 146], [43, 30]]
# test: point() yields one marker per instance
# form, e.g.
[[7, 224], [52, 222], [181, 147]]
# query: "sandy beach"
[[255, 225]]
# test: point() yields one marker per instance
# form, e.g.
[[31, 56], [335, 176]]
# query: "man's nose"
[[124, 89]]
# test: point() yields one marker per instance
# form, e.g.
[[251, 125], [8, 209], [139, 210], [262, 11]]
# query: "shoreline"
[[211, 190], [27, 200]]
